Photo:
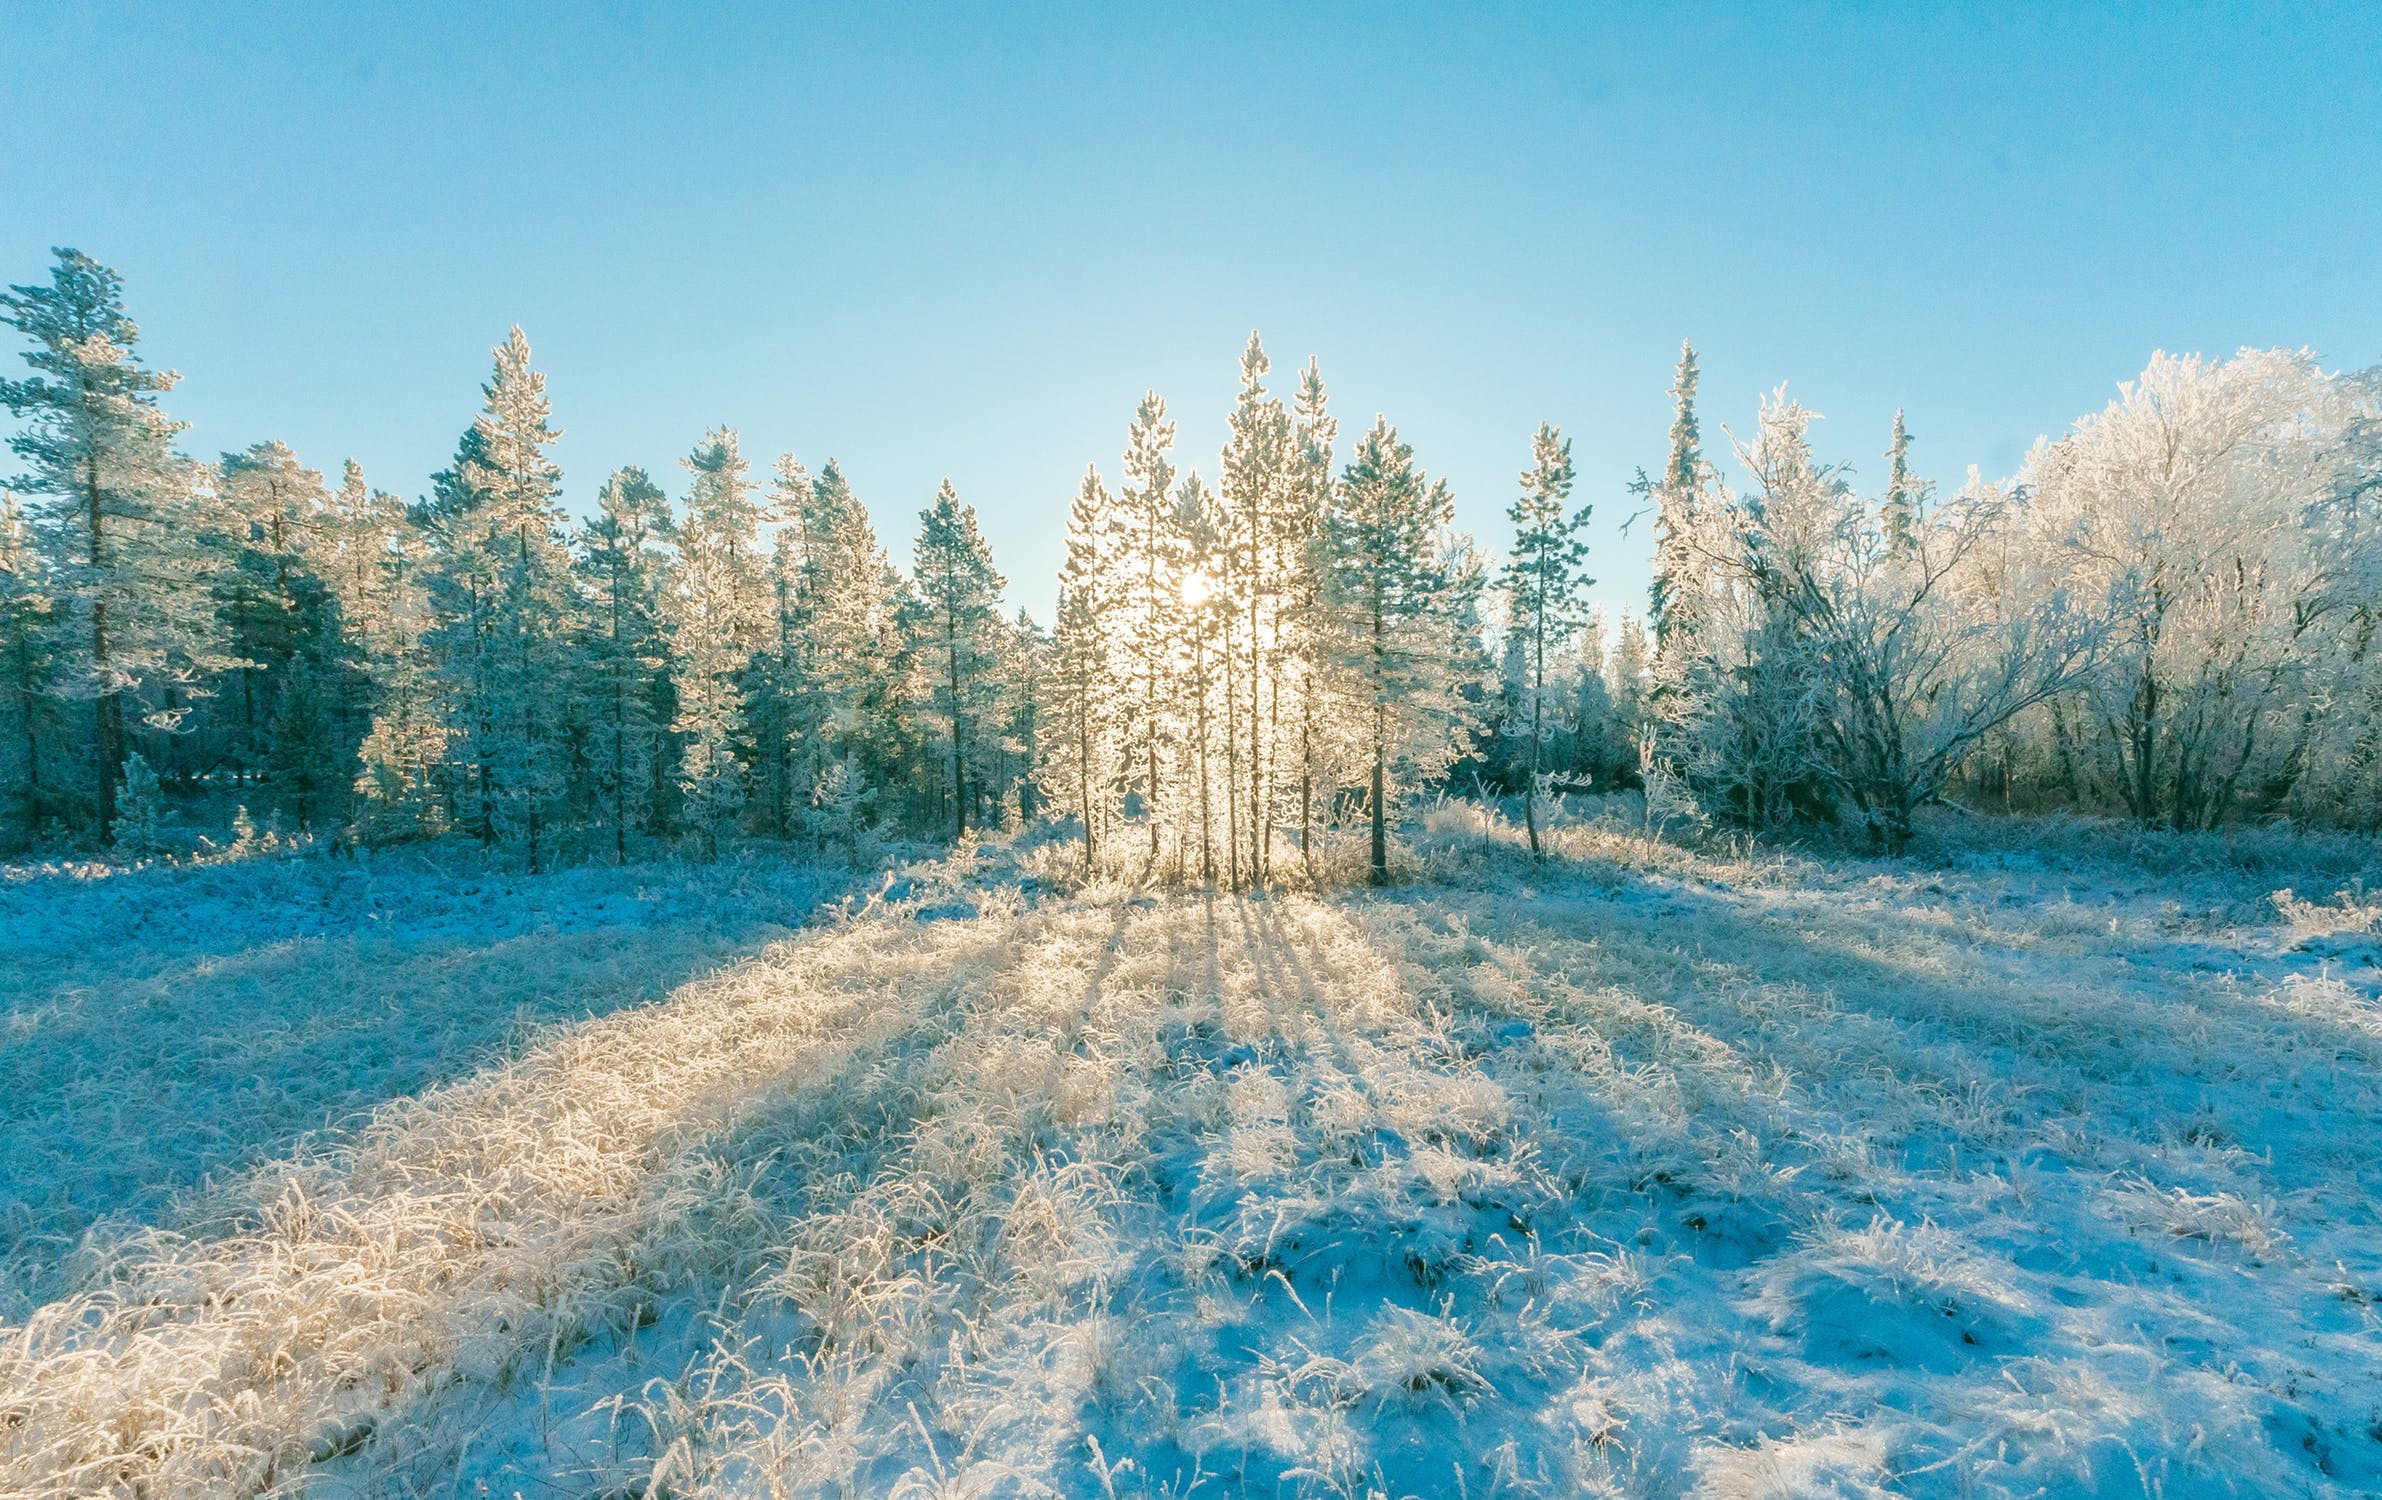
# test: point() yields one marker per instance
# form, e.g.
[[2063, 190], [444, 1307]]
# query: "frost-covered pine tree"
[[293, 704], [1678, 497], [1627, 668], [784, 723], [1596, 754], [1905, 492], [846, 646], [627, 580], [116, 509], [502, 591], [1083, 739], [1023, 697], [1205, 616], [719, 614], [1255, 527], [1144, 550], [960, 592], [1305, 621], [1542, 582], [1396, 604], [380, 574], [141, 834]]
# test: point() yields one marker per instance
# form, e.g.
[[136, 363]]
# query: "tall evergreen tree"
[[1205, 616], [626, 569], [1025, 693], [719, 618], [1543, 580], [501, 587], [960, 591], [116, 506], [1305, 620], [381, 575], [1676, 496], [1082, 679], [1905, 494], [1146, 550], [292, 707], [1396, 614], [1260, 472]]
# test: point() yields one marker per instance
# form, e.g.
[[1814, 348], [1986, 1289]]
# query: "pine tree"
[[381, 575], [626, 575], [1145, 548], [501, 589], [960, 591], [141, 834], [1024, 697], [1906, 493], [116, 506], [846, 605], [1543, 580], [1082, 680], [719, 618], [1299, 537], [1397, 614], [783, 696], [291, 709], [1677, 495], [1595, 743], [1260, 473], [1626, 674], [1204, 616]]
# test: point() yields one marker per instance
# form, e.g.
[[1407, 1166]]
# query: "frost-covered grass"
[[2029, 1169], [161, 1024]]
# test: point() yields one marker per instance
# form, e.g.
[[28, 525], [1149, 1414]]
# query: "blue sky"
[[963, 241]]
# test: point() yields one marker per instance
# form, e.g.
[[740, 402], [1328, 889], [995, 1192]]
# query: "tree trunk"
[[110, 707], [1380, 870]]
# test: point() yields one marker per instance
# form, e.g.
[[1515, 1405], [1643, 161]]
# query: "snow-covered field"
[[2046, 1168]]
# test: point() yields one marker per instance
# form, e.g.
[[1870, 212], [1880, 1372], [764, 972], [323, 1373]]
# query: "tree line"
[[2170, 615]]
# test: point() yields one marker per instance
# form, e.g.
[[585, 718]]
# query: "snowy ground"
[[160, 1026], [2045, 1169]]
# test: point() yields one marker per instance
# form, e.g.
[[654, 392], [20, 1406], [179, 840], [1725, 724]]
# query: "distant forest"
[[2169, 615]]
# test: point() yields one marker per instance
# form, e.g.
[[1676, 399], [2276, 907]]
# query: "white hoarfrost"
[[2043, 1170]]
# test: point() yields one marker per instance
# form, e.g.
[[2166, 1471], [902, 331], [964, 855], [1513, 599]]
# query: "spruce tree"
[[1676, 496], [289, 710], [1906, 494]]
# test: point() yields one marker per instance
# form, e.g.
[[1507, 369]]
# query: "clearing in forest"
[[1649, 1174]]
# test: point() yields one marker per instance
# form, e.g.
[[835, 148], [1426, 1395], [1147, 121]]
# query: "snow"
[[160, 1025], [2038, 1166]]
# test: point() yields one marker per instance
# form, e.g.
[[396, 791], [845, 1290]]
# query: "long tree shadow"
[[2098, 1123], [165, 1028]]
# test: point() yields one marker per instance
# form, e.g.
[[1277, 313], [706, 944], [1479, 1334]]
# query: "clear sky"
[[963, 241]]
